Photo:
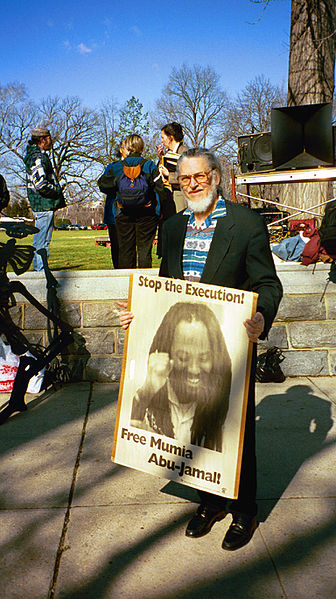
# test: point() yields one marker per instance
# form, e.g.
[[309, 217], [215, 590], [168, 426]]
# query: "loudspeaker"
[[255, 152], [302, 136]]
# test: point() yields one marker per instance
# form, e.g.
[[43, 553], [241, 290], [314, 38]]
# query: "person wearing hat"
[[45, 194]]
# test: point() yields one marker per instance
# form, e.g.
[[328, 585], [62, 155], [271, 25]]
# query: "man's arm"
[[41, 183], [107, 183], [262, 274]]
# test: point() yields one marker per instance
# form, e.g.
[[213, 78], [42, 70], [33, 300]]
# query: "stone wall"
[[305, 328]]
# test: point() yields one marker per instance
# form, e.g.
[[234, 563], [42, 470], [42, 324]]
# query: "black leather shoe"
[[202, 522], [240, 532]]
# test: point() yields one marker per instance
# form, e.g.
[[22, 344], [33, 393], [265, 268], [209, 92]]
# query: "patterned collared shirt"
[[198, 240]]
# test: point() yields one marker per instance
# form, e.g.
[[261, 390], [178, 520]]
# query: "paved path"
[[76, 526]]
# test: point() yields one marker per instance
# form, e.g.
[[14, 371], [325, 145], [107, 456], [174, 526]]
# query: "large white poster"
[[184, 386]]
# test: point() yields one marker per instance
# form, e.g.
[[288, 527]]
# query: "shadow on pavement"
[[290, 428]]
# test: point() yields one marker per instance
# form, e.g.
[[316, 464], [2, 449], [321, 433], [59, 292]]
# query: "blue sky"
[[96, 50]]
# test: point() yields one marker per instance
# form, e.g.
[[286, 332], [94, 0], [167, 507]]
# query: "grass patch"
[[76, 250]]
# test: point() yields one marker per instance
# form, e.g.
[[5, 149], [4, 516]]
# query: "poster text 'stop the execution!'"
[[194, 290]]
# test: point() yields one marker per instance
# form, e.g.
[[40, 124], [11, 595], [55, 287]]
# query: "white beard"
[[200, 206]]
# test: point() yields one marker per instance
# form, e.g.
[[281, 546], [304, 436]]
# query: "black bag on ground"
[[327, 230], [268, 366]]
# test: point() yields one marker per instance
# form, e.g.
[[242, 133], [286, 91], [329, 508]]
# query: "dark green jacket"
[[44, 191]]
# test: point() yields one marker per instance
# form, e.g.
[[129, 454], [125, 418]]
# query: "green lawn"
[[76, 250]]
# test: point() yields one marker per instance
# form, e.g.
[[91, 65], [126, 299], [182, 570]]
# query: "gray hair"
[[211, 158]]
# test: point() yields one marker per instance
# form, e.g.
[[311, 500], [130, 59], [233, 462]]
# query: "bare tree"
[[253, 105], [108, 115], [75, 135], [76, 144], [193, 97], [17, 115], [250, 111]]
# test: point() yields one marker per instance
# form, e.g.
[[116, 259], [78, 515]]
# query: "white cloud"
[[83, 49]]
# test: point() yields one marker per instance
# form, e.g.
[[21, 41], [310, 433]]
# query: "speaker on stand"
[[255, 152]]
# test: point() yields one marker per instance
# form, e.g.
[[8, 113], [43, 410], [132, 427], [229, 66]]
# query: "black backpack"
[[327, 230], [133, 189]]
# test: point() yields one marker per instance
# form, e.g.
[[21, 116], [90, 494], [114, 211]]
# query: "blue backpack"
[[133, 189]]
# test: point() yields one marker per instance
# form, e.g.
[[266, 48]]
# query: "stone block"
[[276, 337], [301, 307], [76, 364], [305, 363], [102, 314], [319, 334], [332, 361], [78, 347], [70, 312], [103, 369], [100, 341], [33, 319], [16, 314], [120, 341], [331, 305], [36, 337]]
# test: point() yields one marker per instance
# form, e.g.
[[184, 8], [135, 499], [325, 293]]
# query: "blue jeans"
[[44, 221]]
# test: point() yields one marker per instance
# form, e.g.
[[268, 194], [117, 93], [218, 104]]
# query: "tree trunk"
[[310, 78], [312, 52]]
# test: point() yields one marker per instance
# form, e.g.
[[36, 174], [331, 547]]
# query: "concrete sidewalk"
[[76, 526]]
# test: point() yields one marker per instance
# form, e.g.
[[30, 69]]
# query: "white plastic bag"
[[9, 363]]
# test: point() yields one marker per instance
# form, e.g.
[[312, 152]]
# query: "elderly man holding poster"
[[218, 242]]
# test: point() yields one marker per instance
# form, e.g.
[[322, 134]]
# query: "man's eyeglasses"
[[203, 177]]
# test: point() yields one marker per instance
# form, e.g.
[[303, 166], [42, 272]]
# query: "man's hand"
[[125, 316], [255, 326]]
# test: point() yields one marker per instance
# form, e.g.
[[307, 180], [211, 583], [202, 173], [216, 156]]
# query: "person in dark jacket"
[[217, 242], [4, 193], [45, 194], [110, 214], [136, 224]]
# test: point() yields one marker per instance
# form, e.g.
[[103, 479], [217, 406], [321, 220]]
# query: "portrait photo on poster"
[[184, 383], [186, 391]]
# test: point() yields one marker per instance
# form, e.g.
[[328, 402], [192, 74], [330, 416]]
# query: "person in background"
[[45, 194], [110, 214], [172, 141], [136, 185], [4, 193]]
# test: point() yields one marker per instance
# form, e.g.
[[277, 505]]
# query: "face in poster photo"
[[187, 387]]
